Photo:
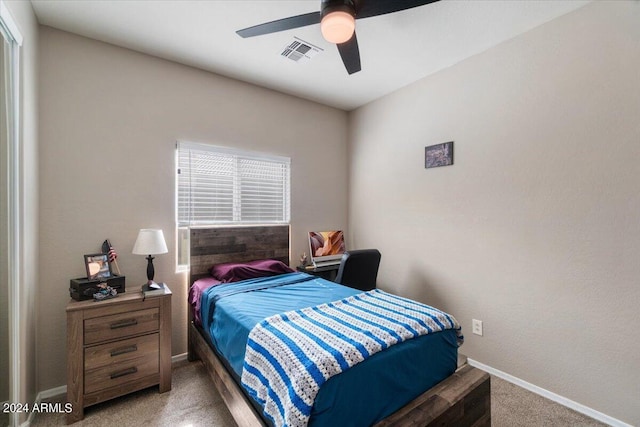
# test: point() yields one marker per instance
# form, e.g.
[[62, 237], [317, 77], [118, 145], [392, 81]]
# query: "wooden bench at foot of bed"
[[463, 399]]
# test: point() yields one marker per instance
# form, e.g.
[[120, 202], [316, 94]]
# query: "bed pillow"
[[234, 272]]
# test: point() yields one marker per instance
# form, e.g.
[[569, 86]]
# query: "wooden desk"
[[328, 272]]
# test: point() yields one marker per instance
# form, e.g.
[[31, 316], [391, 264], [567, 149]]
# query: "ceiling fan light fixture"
[[338, 26]]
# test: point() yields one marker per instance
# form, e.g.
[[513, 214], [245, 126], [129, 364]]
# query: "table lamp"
[[150, 242]]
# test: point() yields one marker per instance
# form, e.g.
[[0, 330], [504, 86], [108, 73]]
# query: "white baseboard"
[[179, 358], [57, 391], [45, 394], [550, 395]]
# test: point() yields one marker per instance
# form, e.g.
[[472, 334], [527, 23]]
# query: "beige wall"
[[535, 229], [110, 118], [26, 21]]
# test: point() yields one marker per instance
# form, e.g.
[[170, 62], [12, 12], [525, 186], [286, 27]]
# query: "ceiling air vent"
[[299, 50]]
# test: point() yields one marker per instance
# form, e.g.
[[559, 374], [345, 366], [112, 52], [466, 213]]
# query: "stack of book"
[[153, 291]]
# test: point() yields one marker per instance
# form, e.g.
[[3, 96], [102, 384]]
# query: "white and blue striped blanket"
[[290, 355]]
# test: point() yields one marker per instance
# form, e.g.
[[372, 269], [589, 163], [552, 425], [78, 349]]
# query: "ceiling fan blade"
[[368, 8], [281, 25], [350, 54]]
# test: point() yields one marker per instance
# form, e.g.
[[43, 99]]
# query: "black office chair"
[[359, 269]]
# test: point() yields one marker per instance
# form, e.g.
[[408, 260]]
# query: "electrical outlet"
[[476, 327]]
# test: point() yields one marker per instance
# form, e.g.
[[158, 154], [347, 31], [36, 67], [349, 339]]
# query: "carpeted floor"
[[194, 402]]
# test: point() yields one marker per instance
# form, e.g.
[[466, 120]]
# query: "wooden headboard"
[[211, 246]]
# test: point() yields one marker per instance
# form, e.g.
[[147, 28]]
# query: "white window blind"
[[219, 185]]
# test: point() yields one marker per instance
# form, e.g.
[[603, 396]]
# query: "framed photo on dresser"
[[97, 266]]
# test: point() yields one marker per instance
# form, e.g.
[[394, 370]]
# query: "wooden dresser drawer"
[[120, 373], [120, 325], [120, 351], [115, 347]]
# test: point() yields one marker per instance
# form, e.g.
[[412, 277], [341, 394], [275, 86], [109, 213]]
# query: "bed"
[[368, 393]]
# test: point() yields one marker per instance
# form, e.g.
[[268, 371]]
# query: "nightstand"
[[115, 347]]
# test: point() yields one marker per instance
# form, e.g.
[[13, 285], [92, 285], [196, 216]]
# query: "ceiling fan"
[[337, 23]]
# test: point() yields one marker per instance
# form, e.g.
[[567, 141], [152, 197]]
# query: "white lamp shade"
[[150, 242]]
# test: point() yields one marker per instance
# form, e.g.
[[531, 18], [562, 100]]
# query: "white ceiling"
[[396, 49]]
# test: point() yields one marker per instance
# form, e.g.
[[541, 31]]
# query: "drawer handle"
[[124, 372], [124, 350], [124, 323]]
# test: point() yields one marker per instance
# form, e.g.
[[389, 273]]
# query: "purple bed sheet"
[[195, 295]]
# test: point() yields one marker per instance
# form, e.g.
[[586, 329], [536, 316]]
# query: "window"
[[217, 185]]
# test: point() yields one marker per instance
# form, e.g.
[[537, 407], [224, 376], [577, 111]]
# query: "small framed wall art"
[[97, 266], [438, 155]]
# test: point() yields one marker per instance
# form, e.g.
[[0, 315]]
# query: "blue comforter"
[[360, 396]]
